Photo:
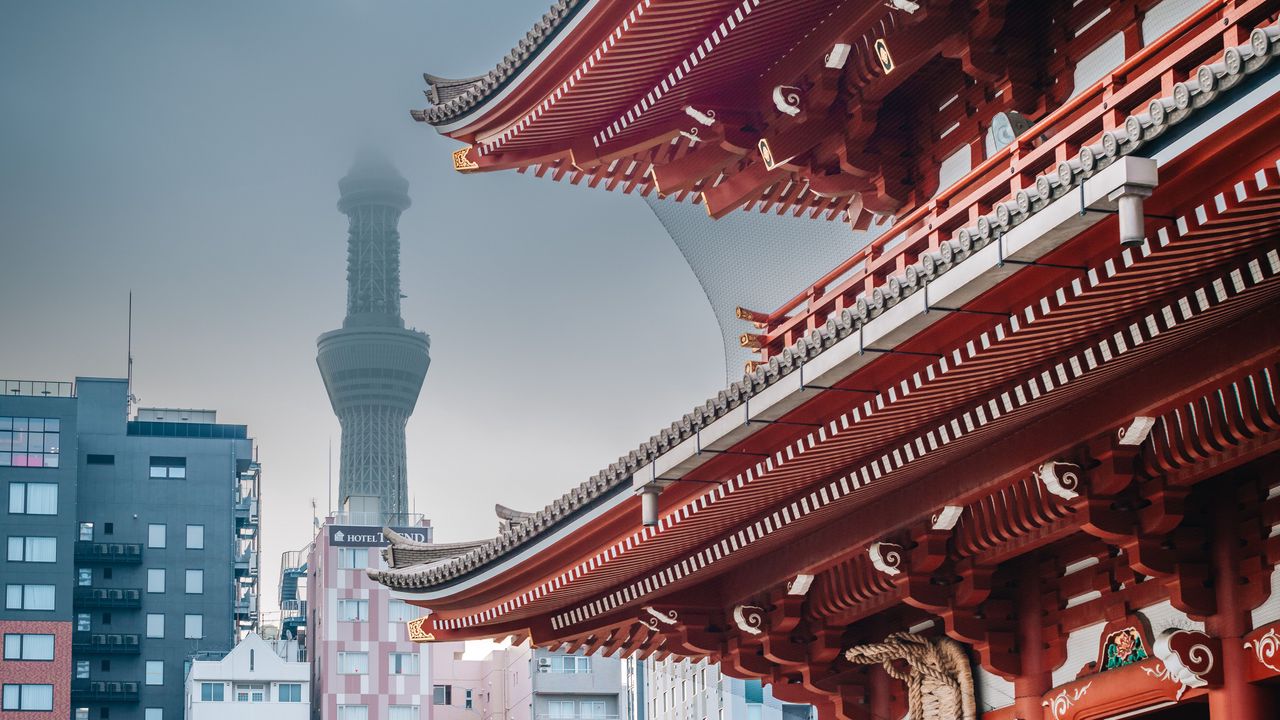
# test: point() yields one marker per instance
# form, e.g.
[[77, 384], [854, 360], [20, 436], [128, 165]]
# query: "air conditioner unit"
[[544, 664]]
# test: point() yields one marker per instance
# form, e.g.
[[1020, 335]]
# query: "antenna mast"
[[330, 498], [130, 399]]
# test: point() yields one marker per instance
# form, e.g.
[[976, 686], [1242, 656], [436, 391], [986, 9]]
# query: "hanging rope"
[[936, 671]]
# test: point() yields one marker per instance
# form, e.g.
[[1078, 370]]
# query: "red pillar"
[[1035, 680], [1237, 699]]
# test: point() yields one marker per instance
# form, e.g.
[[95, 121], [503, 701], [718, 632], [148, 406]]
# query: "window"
[[174, 468], [86, 531], [104, 712], [353, 663], [195, 582], [402, 663], [33, 498], [400, 611], [29, 442], [402, 712], [105, 666], [106, 573], [28, 597], [290, 692], [251, 693], [591, 709], [353, 712], [570, 664], [83, 622], [84, 577], [211, 692], [153, 714], [106, 618], [155, 580], [33, 549], [441, 694], [559, 708], [467, 703], [353, 610], [20, 646], [108, 528], [92, 459], [28, 697], [155, 625], [83, 712], [353, 558], [193, 627], [155, 672], [155, 535], [195, 537], [82, 669]]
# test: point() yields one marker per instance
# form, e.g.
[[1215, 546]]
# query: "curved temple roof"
[[417, 567], [452, 99]]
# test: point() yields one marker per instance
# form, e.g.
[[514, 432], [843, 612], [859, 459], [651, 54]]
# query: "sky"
[[190, 152]]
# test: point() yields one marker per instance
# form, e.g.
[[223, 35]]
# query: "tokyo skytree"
[[373, 367]]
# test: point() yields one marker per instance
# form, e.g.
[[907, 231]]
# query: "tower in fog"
[[373, 367]]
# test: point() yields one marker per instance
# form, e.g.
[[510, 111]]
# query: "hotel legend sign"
[[371, 536]]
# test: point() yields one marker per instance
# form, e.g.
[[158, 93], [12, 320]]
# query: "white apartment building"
[[670, 690], [252, 682]]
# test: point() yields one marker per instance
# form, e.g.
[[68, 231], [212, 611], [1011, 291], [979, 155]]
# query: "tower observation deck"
[[373, 367]]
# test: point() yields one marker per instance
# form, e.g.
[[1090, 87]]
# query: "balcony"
[[97, 691], [104, 644], [247, 510], [247, 563], [37, 388], [90, 597], [108, 553]]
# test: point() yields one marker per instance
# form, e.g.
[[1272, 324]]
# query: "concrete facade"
[[252, 682], [153, 534], [668, 690], [38, 533]]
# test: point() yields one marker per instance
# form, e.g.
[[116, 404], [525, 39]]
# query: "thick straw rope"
[[937, 673]]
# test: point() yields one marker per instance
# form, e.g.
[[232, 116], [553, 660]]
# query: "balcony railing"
[[38, 388], [90, 597], [103, 691], [104, 644], [113, 553], [377, 519], [1053, 142]]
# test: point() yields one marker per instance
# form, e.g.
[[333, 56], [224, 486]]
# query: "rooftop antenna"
[[330, 497], [315, 519], [130, 398]]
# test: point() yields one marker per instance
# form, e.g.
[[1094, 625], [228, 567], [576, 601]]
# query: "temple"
[[1015, 458]]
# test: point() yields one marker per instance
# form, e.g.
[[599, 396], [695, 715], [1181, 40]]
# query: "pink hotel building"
[[363, 666]]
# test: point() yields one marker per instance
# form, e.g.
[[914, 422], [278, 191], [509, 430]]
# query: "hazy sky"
[[191, 152]]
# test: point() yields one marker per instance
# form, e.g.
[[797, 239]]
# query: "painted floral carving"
[[1123, 647]]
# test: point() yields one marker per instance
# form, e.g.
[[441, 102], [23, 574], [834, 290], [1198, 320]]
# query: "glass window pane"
[[155, 672], [155, 536], [17, 497], [195, 537], [195, 582], [155, 625], [37, 697], [42, 499], [155, 580], [37, 647], [37, 597], [194, 627]]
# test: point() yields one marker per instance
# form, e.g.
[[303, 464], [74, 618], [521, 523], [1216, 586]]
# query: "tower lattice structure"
[[373, 367]]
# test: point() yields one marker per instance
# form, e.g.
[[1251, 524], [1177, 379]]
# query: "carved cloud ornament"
[[886, 557], [1060, 478]]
